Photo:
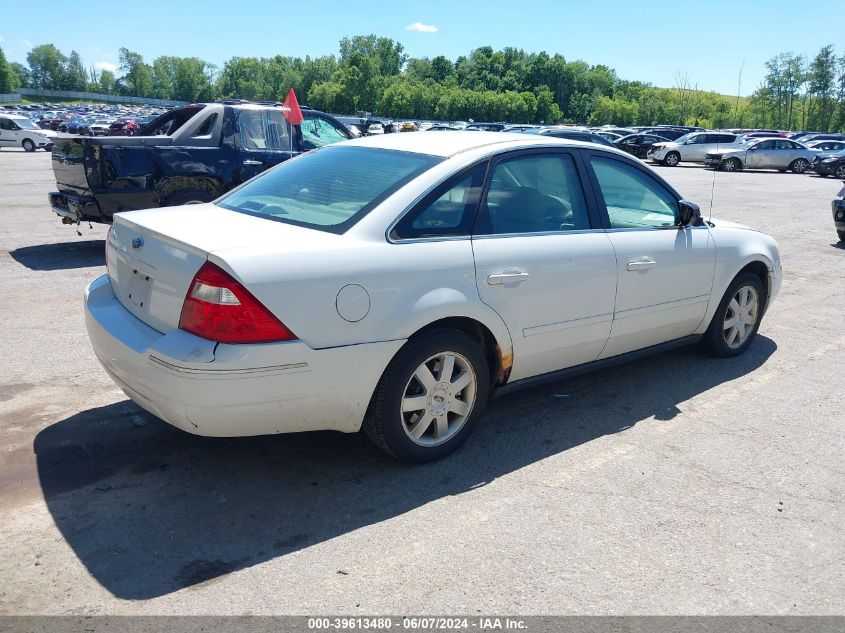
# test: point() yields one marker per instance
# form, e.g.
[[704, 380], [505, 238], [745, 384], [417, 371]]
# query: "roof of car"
[[451, 143]]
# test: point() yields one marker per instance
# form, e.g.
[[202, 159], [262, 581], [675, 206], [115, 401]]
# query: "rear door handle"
[[641, 264], [507, 278]]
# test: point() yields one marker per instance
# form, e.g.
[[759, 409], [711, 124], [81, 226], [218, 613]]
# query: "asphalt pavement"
[[679, 484]]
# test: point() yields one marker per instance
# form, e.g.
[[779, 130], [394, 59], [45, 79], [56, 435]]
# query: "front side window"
[[328, 189], [263, 129], [633, 199], [448, 211], [535, 193], [765, 145], [6, 124], [317, 132]]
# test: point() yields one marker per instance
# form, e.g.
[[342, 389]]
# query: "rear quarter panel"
[[409, 286]]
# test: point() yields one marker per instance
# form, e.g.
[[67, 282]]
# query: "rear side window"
[[329, 189], [633, 199], [448, 211], [207, 126]]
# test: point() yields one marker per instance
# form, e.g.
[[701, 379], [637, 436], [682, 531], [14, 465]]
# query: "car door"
[[541, 262], [696, 147], [665, 271], [761, 155], [7, 135], [263, 140]]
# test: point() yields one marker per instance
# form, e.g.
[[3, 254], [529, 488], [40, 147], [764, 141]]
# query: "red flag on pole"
[[290, 109]]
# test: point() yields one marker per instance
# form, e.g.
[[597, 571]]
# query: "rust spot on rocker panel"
[[505, 365]]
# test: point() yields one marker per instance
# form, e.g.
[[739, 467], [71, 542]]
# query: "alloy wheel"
[[741, 316], [438, 399], [672, 159]]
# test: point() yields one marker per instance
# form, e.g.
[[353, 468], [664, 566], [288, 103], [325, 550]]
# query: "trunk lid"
[[153, 255], [72, 160]]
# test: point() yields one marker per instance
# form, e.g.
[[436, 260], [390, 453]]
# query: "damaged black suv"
[[188, 155]]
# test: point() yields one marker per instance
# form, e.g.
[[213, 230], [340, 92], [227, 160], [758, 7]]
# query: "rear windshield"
[[328, 189]]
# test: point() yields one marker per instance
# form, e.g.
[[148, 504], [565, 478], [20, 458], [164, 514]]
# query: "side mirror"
[[689, 213]]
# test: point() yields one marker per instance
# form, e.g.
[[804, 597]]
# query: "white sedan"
[[394, 282]]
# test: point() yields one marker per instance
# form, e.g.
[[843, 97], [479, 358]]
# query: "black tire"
[[28, 145], [672, 159], [731, 164], [188, 196], [799, 166], [714, 338], [840, 172], [385, 423], [841, 235]]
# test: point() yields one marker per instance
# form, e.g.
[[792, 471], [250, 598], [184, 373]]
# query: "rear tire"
[[418, 413], [841, 235], [799, 166], [840, 172], [188, 196], [28, 145], [737, 318]]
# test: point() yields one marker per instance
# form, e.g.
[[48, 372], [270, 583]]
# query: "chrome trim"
[[226, 372], [565, 325]]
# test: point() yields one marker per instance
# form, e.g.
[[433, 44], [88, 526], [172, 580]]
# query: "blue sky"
[[649, 41]]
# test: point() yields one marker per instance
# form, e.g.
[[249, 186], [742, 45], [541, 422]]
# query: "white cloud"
[[27, 43], [106, 66], [421, 28]]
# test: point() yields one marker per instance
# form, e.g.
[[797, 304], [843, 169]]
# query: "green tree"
[[137, 79], [47, 67], [8, 79], [75, 77]]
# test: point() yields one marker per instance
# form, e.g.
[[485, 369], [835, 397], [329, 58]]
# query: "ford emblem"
[[137, 242]]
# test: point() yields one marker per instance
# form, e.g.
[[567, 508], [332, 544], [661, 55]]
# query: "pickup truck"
[[188, 155]]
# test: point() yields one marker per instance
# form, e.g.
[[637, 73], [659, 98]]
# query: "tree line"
[[375, 74]]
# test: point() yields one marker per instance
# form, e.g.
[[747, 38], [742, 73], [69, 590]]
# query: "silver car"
[[767, 153]]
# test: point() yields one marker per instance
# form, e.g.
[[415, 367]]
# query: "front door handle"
[[507, 278], [251, 162], [641, 264]]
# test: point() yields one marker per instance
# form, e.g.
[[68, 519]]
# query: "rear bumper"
[[75, 208], [214, 389]]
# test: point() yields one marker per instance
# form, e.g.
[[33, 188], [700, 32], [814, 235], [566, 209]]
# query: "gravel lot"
[[676, 485]]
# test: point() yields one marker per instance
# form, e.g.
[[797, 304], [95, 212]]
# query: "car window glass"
[[449, 210], [536, 193], [785, 145], [6, 124], [765, 145], [207, 126], [263, 129], [633, 199], [317, 132], [328, 189]]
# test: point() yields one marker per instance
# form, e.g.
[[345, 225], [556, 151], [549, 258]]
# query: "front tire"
[[840, 172], [799, 165], [841, 235], [28, 145], [731, 164], [430, 398], [672, 159], [737, 318]]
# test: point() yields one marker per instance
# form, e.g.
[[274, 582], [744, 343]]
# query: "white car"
[[396, 281], [19, 131], [694, 147]]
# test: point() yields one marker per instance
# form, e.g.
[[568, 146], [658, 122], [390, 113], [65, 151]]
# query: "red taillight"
[[219, 308]]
